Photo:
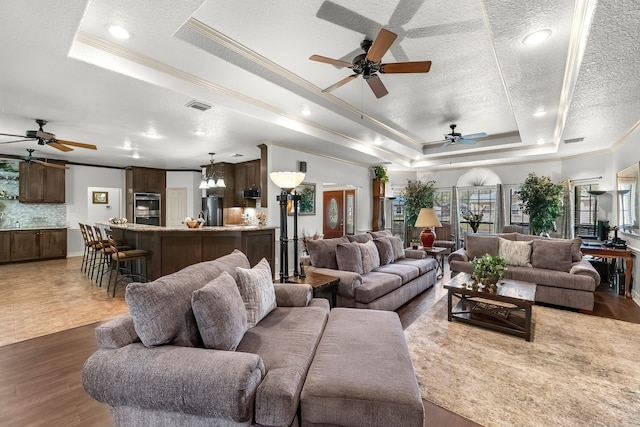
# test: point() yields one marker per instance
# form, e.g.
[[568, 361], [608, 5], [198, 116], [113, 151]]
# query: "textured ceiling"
[[250, 61]]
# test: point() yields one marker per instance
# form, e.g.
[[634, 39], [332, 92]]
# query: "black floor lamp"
[[287, 181]]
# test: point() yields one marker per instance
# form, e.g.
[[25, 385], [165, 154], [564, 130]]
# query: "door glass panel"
[[350, 223], [333, 213]]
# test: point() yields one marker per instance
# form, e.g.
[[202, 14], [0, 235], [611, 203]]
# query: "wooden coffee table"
[[506, 310], [324, 286]]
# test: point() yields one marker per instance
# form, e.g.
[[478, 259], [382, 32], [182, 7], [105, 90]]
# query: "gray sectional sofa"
[[374, 269], [555, 265]]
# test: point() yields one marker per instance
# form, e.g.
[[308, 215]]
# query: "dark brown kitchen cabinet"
[[28, 245], [145, 180], [41, 184], [5, 246], [247, 176]]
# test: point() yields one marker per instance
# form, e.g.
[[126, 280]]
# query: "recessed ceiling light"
[[305, 111], [151, 134], [135, 155], [199, 132], [539, 113], [536, 37], [377, 141], [118, 32]]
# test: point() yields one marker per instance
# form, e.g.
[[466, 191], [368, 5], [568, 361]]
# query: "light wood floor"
[[40, 377]]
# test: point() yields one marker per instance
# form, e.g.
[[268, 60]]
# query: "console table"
[[605, 252]]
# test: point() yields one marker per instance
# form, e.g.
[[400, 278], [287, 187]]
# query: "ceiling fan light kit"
[[368, 64]]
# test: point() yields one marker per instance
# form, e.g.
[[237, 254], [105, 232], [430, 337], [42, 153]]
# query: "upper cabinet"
[[247, 175], [146, 180], [41, 184]]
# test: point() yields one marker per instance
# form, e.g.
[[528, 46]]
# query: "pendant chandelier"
[[210, 179]]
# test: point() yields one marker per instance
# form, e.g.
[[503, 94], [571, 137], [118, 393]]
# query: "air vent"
[[198, 105], [237, 155], [573, 141]]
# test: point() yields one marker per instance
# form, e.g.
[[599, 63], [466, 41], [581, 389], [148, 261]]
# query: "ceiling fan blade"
[[76, 144], [11, 134], [381, 45], [19, 140], [377, 87], [50, 165], [467, 141], [330, 61], [447, 142], [406, 67], [347, 18], [340, 83], [475, 135], [59, 146]]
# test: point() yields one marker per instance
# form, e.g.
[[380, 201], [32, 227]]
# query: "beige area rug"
[[579, 370]]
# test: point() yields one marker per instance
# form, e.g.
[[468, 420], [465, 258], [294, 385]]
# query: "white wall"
[[190, 181]]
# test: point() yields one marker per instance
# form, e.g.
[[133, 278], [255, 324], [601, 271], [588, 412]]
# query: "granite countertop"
[[33, 227], [156, 228]]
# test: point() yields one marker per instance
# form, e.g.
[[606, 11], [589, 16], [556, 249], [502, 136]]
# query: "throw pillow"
[[552, 254], [161, 310], [360, 238], [385, 250], [479, 245], [381, 233], [323, 252], [349, 257], [257, 291], [370, 257], [220, 313], [398, 247], [515, 253]]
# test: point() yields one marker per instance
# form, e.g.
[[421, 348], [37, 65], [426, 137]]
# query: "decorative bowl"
[[193, 223]]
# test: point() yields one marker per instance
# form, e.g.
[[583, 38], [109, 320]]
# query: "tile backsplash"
[[14, 214]]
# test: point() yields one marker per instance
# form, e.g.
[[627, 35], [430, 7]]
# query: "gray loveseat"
[[374, 269], [152, 370], [555, 265]]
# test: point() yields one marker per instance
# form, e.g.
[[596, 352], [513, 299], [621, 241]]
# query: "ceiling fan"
[[29, 159], [455, 137], [46, 138], [369, 64]]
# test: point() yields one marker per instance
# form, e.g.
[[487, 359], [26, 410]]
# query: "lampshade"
[[221, 183], [211, 183], [287, 180], [203, 185], [596, 192], [427, 218]]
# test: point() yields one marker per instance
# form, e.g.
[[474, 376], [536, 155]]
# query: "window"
[[585, 211], [516, 215], [442, 204], [477, 200]]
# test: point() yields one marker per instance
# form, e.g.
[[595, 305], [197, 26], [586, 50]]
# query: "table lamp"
[[427, 218], [287, 181]]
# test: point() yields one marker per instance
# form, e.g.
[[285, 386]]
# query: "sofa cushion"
[[406, 272], [424, 264], [479, 245], [552, 254], [576, 254], [385, 250], [398, 247], [381, 233], [349, 257], [514, 252], [370, 257], [360, 238], [323, 252], [256, 288], [220, 313], [161, 310], [286, 341], [374, 285]]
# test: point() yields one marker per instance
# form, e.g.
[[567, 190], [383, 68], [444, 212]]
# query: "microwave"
[[251, 193]]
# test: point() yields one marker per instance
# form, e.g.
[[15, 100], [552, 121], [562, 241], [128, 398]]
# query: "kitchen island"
[[173, 248]]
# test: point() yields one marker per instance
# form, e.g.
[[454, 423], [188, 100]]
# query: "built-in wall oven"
[[146, 208]]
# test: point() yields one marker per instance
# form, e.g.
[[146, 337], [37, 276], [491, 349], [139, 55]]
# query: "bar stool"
[[93, 251], [122, 262], [87, 245], [102, 247]]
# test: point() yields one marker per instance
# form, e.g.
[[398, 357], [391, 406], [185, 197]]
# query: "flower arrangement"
[[488, 269], [262, 219], [474, 220]]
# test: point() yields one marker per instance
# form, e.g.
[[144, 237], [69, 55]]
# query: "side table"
[[324, 286], [438, 254]]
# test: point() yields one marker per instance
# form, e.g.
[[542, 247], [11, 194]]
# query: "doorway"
[[176, 206], [339, 216]]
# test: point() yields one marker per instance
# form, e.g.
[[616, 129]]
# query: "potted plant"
[[417, 195], [488, 269], [541, 201], [380, 172]]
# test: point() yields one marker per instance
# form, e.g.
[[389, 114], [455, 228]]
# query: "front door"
[[176, 206], [333, 221]]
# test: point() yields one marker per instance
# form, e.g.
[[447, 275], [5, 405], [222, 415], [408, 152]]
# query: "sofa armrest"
[[349, 280], [585, 268], [415, 253], [459, 255], [293, 294], [180, 379], [116, 333]]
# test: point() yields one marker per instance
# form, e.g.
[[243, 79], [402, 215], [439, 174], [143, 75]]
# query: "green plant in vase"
[[488, 269]]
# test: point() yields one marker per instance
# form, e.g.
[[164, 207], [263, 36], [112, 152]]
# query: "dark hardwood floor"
[[40, 378]]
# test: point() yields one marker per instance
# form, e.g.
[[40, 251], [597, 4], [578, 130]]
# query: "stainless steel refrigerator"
[[212, 210]]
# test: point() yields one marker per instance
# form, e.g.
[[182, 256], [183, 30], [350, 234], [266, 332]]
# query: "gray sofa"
[[374, 269], [152, 370], [563, 278]]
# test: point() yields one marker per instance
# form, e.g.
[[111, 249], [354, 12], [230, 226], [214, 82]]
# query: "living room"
[[261, 86]]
